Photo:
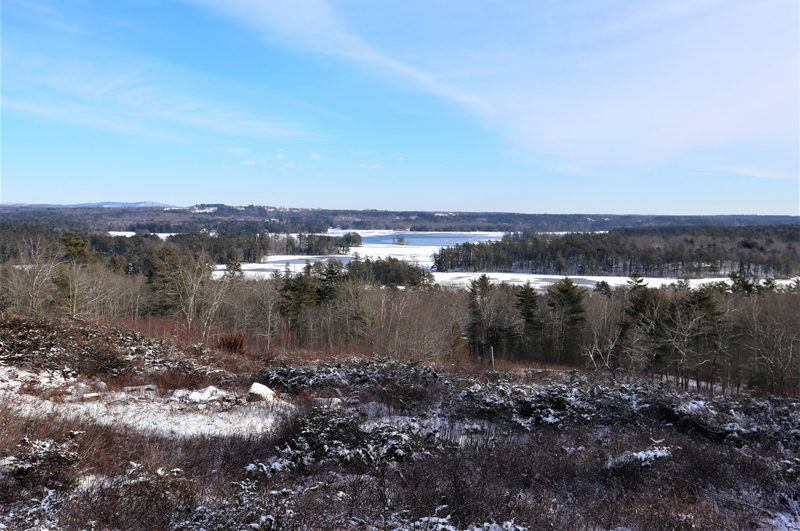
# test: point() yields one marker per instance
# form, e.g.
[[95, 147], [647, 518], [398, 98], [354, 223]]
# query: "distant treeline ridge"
[[665, 252]]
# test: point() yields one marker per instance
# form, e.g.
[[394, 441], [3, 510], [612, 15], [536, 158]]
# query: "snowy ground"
[[296, 263], [422, 255], [373, 444], [128, 234], [543, 281], [178, 413]]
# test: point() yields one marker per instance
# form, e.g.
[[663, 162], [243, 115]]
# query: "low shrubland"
[[371, 443]]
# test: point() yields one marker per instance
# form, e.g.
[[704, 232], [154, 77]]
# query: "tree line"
[[715, 251], [735, 335], [255, 218], [136, 254]]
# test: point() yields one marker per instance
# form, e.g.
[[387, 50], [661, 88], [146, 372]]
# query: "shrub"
[[233, 342]]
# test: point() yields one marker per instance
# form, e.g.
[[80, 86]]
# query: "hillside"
[[102, 423], [254, 218]]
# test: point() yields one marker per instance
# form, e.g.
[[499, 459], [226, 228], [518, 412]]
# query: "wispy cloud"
[[312, 25], [635, 84], [125, 94], [249, 163], [43, 14], [762, 173]]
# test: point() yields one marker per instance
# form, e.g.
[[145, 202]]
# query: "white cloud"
[[289, 164], [44, 15], [315, 156], [237, 150], [629, 84], [761, 173], [249, 162], [126, 94], [279, 156], [312, 25]]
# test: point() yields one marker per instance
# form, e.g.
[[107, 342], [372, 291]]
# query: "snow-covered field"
[[128, 234], [543, 281], [418, 254], [420, 249], [179, 413], [422, 255]]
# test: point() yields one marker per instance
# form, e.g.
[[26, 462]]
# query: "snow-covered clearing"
[[543, 281], [422, 255], [179, 413], [129, 234]]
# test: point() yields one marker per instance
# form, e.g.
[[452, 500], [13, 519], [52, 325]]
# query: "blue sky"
[[663, 107]]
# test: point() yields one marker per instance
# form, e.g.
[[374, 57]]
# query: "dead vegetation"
[[381, 444]]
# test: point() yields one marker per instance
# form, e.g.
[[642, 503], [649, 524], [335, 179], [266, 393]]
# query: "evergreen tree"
[[636, 281], [479, 315], [742, 284], [565, 300], [603, 287], [528, 304], [330, 277], [76, 249], [298, 296]]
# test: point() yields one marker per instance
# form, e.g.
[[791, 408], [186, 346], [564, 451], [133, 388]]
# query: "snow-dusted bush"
[[335, 435]]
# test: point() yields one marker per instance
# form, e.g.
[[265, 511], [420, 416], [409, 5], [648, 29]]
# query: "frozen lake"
[[419, 249], [434, 240]]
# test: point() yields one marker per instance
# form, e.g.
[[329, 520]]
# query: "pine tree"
[[565, 300], [329, 280], [479, 318], [298, 297], [603, 287], [528, 304]]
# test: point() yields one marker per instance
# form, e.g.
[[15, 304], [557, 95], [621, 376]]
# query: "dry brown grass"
[[538, 478]]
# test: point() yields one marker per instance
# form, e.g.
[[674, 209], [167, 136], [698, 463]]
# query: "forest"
[[254, 218], [135, 254], [735, 335], [666, 252], [142, 388]]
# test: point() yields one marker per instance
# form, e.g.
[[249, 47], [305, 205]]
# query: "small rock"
[[204, 395], [260, 393], [90, 397], [327, 402]]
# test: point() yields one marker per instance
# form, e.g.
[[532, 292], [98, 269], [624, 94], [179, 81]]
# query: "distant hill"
[[104, 204], [156, 217]]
